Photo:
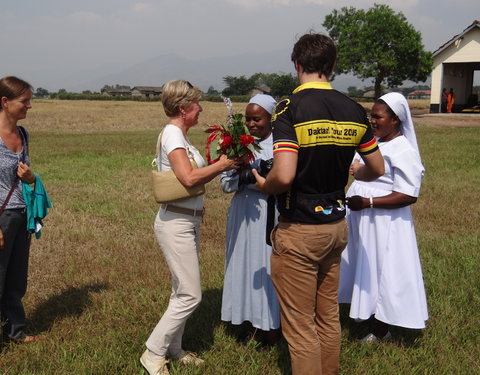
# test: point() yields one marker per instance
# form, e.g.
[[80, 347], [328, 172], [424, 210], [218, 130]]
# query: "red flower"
[[246, 140], [227, 141], [232, 139]]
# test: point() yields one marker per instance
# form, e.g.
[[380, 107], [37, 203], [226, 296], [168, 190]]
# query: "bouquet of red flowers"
[[232, 139]]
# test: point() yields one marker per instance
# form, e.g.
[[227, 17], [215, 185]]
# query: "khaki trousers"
[[305, 271]]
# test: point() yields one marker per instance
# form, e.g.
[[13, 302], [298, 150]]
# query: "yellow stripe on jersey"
[[366, 147], [281, 107], [327, 132], [281, 146], [314, 85]]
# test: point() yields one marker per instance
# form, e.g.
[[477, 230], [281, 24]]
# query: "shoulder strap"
[[24, 134], [156, 161], [8, 195], [159, 143]]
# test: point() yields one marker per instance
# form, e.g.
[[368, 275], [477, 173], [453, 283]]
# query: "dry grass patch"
[[87, 116], [98, 282]]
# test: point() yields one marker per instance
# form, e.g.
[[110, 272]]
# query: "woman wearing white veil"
[[380, 273]]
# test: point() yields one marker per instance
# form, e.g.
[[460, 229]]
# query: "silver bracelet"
[[371, 202]]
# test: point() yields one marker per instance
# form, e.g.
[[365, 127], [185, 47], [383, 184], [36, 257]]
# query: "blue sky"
[[44, 40]]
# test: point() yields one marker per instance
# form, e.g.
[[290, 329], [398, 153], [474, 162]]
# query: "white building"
[[454, 65]]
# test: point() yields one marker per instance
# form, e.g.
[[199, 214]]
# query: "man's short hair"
[[316, 53]]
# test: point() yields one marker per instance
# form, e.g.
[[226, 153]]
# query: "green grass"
[[98, 283]]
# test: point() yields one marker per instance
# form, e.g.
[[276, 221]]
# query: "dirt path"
[[421, 116], [455, 120]]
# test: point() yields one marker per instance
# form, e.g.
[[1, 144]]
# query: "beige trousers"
[[305, 271], [178, 237]]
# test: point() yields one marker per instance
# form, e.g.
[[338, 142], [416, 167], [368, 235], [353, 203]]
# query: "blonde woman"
[[177, 226]]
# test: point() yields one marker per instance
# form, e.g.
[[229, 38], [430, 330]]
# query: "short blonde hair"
[[178, 93]]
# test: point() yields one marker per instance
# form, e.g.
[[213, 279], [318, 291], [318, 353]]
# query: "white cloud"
[[251, 3], [143, 8], [84, 16], [398, 5]]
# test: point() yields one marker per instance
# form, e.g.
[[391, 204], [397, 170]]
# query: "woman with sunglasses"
[[177, 226]]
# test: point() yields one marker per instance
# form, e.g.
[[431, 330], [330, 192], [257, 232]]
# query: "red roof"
[[419, 92]]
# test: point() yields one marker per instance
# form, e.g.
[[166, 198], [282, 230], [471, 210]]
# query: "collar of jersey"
[[314, 85]]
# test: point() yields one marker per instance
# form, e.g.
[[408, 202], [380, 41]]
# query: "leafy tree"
[[267, 79], [378, 43], [279, 84], [353, 91], [211, 91], [237, 85], [283, 85], [41, 93]]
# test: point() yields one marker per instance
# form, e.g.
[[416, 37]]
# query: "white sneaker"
[[157, 366], [187, 358], [372, 338]]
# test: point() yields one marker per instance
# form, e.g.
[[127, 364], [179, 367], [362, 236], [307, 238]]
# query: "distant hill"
[[203, 73], [156, 71]]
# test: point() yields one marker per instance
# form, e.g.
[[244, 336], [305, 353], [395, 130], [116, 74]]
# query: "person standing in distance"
[[450, 100], [316, 132]]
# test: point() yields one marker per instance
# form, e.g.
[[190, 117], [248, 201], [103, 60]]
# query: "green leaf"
[[214, 150]]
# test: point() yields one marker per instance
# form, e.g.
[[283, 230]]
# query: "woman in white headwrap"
[[380, 273], [248, 293]]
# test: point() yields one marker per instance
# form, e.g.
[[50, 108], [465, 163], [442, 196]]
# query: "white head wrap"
[[399, 105], [265, 101]]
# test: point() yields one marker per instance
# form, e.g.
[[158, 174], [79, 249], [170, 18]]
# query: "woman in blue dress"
[[249, 297]]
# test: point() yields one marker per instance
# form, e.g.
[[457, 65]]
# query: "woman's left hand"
[[356, 202], [391, 201], [25, 173]]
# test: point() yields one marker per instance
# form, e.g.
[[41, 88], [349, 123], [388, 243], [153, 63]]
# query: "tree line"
[[277, 85]]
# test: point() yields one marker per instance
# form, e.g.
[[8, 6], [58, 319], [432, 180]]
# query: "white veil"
[[399, 106]]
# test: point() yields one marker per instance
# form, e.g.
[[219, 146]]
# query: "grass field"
[[98, 283]]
